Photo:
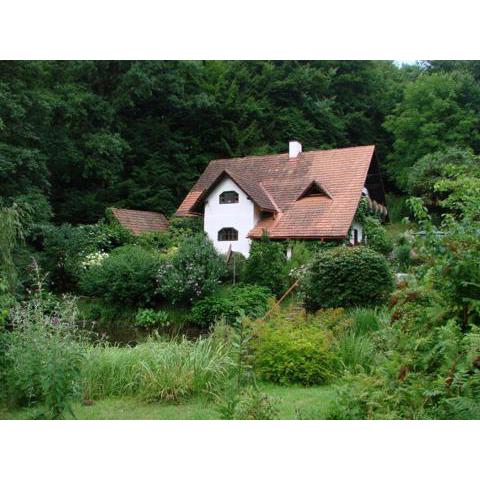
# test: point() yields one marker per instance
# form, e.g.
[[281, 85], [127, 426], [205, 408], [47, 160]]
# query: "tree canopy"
[[79, 136]]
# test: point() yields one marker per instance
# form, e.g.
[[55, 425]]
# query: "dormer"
[[314, 189]]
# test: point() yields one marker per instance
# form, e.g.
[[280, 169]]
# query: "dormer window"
[[227, 235], [229, 197]]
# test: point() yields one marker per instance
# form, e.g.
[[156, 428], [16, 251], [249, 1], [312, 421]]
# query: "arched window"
[[229, 197], [227, 235]]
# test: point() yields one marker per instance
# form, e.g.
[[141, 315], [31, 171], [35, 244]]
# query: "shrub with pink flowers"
[[194, 271]]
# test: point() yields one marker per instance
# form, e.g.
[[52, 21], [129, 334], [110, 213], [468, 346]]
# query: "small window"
[[227, 235], [229, 197]]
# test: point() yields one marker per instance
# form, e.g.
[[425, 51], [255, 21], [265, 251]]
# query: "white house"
[[298, 195]]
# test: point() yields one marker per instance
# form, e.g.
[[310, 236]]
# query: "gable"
[[248, 186]]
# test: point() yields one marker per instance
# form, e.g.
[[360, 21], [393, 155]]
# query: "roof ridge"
[[286, 153]]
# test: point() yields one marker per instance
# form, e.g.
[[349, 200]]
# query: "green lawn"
[[289, 400]]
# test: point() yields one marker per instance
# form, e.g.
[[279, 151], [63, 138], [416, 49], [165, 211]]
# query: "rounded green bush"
[[346, 277], [127, 276]]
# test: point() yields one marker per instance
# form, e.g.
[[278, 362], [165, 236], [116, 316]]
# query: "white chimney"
[[294, 148]]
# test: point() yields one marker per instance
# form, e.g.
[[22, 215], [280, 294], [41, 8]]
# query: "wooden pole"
[[294, 285]]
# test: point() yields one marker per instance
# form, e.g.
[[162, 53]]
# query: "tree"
[[438, 110]]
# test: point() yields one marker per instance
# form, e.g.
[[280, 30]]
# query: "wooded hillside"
[[77, 137]]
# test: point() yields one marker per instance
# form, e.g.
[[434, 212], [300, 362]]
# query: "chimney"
[[294, 148]]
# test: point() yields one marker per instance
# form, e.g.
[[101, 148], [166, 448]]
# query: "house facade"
[[294, 196]]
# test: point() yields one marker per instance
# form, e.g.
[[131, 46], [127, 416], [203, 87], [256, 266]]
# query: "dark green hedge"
[[346, 277]]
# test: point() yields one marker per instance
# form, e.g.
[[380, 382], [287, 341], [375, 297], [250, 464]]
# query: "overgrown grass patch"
[[155, 370]]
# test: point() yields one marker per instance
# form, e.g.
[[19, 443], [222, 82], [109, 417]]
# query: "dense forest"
[[79, 136]]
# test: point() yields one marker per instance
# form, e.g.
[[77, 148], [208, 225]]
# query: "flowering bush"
[[194, 271], [126, 276], [93, 259]]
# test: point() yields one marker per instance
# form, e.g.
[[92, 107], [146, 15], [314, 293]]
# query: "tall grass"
[[365, 320], [155, 370], [355, 353]]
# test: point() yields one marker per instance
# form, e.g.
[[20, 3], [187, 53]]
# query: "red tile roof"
[[139, 221], [339, 173]]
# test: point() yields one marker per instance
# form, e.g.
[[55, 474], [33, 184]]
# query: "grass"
[[155, 370], [290, 401]]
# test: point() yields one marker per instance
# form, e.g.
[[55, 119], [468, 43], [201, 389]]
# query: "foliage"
[[397, 208], [230, 303], [156, 369], [266, 265], [302, 253], [376, 236], [403, 256], [149, 318], [355, 352], [43, 357], [293, 350], [426, 367], [343, 277], [438, 110], [11, 231], [240, 398], [66, 248], [431, 168], [193, 272], [236, 268], [126, 276], [365, 320], [95, 310], [253, 404]]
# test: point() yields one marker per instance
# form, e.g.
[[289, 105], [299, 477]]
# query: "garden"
[[111, 325], [98, 323]]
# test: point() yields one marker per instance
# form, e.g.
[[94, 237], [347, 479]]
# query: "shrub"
[[193, 272], [252, 404], [126, 276], [148, 318], [230, 303], [43, 358], [66, 247], [343, 277], [155, 370], [293, 352], [266, 265], [403, 256], [376, 236]]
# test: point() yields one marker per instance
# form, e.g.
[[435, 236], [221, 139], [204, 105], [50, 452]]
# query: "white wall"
[[360, 232], [241, 216]]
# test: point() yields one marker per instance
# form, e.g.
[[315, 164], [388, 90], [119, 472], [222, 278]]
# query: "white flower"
[[93, 259]]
